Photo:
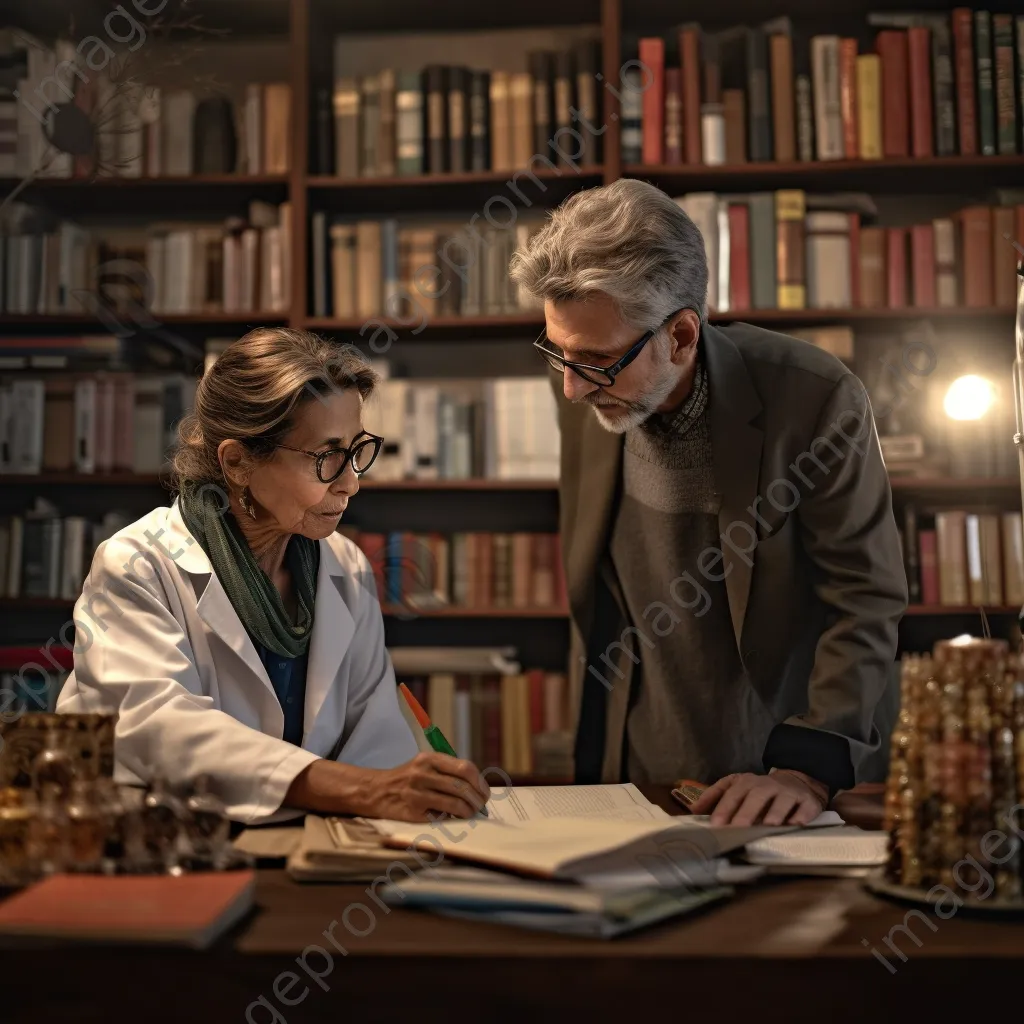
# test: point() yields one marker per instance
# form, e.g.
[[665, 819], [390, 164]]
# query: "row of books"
[[241, 265], [45, 555], [424, 571], [91, 422], [417, 271], [912, 84], [451, 119], [793, 250], [502, 428], [519, 723], [959, 558], [139, 130]]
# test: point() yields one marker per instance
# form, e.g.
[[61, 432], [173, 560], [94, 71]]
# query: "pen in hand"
[[433, 735]]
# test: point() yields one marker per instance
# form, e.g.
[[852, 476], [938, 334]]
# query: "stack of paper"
[[491, 896], [827, 851]]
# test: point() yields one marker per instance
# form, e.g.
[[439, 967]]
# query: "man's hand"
[[784, 797]]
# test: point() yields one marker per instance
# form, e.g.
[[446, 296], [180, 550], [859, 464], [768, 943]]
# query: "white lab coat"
[[158, 642]]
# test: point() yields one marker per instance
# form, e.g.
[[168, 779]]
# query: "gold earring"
[[246, 502]]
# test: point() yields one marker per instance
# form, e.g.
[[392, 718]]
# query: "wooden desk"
[[780, 951]]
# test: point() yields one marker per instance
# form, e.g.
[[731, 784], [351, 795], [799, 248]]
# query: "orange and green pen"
[[434, 736]]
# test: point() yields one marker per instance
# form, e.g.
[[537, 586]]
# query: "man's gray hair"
[[628, 240]]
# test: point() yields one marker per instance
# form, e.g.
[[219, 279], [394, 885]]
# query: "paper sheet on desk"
[[516, 804]]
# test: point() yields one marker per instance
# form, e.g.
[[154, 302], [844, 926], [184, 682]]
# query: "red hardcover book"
[[919, 55], [739, 256], [854, 259], [652, 56], [673, 116], [536, 678], [492, 722], [976, 255], [896, 267], [848, 95], [922, 262], [963, 62], [558, 565], [1004, 258], [689, 49], [191, 911], [892, 48], [929, 562]]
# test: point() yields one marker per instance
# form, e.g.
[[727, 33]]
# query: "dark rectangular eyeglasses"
[[602, 376], [330, 464]]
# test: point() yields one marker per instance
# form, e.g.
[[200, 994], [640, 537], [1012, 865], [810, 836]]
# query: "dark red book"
[[652, 56], [491, 722], [896, 267], [921, 118], [892, 48], [673, 116], [929, 562], [976, 255], [848, 96], [922, 262], [739, 256], [689, 49], [963, 62], [536, 678]]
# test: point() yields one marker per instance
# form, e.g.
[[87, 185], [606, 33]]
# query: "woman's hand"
[[428, 783]]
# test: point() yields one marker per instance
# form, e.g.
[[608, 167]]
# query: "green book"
[[986, 92], [1006, 87]]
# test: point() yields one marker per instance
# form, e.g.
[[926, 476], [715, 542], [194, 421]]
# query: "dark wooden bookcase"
[[308, 27]]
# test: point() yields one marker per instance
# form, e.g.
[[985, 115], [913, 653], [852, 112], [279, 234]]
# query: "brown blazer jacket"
[[814, 574]]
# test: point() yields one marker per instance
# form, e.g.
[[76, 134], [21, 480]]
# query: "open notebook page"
[[514, 805]]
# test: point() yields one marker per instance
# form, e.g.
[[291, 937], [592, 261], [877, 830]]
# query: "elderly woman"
[[236, 634]]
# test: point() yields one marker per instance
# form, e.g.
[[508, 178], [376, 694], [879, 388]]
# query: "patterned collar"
[[682, 419]]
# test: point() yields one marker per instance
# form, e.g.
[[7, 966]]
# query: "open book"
[[546, 832]]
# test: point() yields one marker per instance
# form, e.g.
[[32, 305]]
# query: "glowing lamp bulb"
[[969, 398]]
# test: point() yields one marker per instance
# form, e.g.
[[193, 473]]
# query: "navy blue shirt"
[[288, 677]]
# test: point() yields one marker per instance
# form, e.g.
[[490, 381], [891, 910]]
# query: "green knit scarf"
[[251, 591]]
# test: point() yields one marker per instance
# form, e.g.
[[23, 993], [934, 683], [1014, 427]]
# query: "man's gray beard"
[[638, 411]]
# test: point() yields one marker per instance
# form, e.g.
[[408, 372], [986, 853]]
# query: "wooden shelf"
[[369, 484], [819, 316], [324, 181], [937, 173], [162, 319], [474, 613], [410, 329], [81, 479], [954, 485], [967, 609], [164, 181]]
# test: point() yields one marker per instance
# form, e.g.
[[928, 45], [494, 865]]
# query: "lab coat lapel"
[[333, 630], [216, 610], [736, 445]]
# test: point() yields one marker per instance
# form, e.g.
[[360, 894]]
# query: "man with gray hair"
[[733, 566]]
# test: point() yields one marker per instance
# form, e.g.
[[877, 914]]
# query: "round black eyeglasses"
[[331, 464], [602, 376]]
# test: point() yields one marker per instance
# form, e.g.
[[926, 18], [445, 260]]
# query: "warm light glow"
[[969, 398]]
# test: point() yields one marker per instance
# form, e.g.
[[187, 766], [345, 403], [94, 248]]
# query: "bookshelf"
[[304, 32]]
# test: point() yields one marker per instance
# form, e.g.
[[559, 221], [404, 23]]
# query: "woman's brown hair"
[[252, 391]]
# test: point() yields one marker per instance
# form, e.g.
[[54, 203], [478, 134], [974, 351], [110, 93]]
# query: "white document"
[[828, 847], [517, 804]]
